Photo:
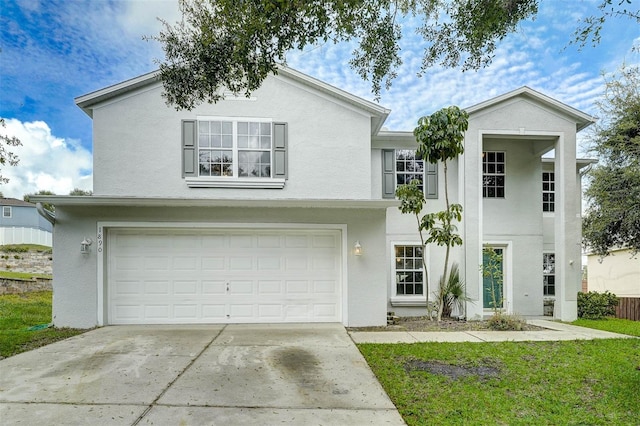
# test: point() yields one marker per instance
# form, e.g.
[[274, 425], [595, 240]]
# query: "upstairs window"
[[548, 192], [230, 148], [234, 153], [409, 167], [401, 166], [493, 174]]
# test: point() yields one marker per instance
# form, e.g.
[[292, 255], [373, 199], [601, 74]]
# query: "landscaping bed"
[[425, 324]]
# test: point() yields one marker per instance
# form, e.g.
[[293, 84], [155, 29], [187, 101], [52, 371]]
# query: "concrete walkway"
[[554, 331]]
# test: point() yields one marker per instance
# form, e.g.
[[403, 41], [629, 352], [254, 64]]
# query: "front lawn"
[[542, 383], [20, 312], [614, 325], [23, 275]]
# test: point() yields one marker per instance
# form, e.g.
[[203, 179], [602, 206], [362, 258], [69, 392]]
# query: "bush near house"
[[594, 305]]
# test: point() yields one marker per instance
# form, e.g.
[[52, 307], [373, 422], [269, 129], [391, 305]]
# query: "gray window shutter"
[[280, 150], [388, 173], [189, 157], [430, 180]]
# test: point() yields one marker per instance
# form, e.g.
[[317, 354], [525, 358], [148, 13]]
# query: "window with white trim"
[[234, 152], [234, 149], [548, 192], [549, 274], [6, 211], [493, 174], [409, 167], [409, 270]]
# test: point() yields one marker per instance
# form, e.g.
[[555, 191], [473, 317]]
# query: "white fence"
[[25, 236]]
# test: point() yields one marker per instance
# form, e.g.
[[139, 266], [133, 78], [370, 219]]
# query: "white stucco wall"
[[137, 144], [75, 302]]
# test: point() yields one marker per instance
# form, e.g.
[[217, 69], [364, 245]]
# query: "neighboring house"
[[20, 223], [280, 207], [618, 273]]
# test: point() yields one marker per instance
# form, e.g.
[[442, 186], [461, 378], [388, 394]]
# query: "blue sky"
[[53, 51]]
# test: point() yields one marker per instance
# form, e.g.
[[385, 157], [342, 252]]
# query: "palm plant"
[[453, 293]]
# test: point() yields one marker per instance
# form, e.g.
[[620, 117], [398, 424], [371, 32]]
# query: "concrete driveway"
[[196, 375]]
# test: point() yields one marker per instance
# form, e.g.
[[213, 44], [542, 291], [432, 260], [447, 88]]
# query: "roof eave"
[[581, 119], [105, 201], [378, 113], [86, 102]]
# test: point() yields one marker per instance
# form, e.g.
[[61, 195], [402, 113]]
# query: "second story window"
[[409, 166], [234, 148], [493, 174], [401, 166], [548, 192]]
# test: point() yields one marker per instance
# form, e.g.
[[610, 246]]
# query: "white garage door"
[[161, 276]]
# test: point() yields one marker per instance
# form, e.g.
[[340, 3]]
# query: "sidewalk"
[[554, 331]]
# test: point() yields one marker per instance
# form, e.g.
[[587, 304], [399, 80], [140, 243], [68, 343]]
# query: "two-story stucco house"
[[20, 223], [280, 208]]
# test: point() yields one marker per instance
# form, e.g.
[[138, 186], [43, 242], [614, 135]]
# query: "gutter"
[[50, 217]]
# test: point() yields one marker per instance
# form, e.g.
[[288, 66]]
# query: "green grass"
[[533, 383], [22, 275], [23, 248], [614, 325], [18, 312]]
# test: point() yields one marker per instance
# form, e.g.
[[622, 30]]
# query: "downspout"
[[50, 217], [586, 170]]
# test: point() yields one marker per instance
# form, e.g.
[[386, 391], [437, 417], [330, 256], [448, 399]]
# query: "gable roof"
[[581, 119], [15, 202], [378, 113]]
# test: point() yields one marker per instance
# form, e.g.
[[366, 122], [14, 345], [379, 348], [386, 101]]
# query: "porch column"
[[567, 229]]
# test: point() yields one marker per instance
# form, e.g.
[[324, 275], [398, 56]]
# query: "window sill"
[[408, 301], [235, 183]]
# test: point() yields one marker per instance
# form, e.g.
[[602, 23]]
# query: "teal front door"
[[492, 278]]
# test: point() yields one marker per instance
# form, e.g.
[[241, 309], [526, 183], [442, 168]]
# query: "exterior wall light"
[[85, 245], [357, 249]]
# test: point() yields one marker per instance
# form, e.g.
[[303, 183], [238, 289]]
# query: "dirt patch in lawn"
[[451, 371], [425, 324]]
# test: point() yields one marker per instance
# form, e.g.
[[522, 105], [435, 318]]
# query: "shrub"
[[594, 305], [506, 322]]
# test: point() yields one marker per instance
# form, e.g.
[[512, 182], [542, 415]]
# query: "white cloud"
[[46, 162], [140, 17]]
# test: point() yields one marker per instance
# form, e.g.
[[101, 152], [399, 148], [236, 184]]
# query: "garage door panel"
[[240, 241], [156, 312], [270, 312], [184, 263], [157, 288], [266, 263], [223, 276], [213, 312], [325, 287], [295, 263], [269, 241], [270, 288], [129, 263], [187, 288], [186, 312], [213, 288], [127, 287], [240, 263], [213, 263]]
